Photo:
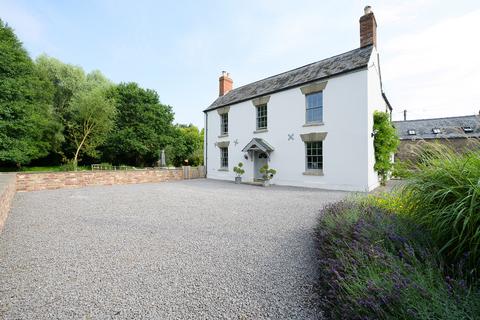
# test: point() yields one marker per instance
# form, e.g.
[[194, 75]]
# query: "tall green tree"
[[71, 85], [66, 79], [143, 126], [186, 146], [27, 125], [90, 119]]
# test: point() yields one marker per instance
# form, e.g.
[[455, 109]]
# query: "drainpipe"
[[206, 143]]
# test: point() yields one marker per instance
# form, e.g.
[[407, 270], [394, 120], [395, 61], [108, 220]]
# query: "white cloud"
[[435, 72]]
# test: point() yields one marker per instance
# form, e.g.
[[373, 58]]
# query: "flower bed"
[[379, 265]]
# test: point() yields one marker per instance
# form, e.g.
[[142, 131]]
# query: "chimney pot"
[[367, 9]]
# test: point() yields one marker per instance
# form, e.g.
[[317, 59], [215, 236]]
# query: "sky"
[[429, 50]]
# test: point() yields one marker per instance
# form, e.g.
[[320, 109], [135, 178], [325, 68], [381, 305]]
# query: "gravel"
[[198, 249]]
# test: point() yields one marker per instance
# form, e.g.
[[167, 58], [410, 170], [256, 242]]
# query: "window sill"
[[317, 172], [223, 135], [260, 130], [313, 124], [223, 169]]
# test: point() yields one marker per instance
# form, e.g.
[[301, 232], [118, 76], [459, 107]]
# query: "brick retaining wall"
[[7, 191], [57, 180]]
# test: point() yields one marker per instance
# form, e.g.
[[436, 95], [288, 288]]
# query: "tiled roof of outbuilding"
[[450, 128], [342, 63]]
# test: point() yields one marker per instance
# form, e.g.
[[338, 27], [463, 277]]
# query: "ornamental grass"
[[443, 196]]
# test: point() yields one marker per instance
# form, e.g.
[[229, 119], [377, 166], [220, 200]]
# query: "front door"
[[259, 161]]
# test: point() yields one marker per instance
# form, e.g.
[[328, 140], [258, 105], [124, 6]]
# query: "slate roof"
[[345, 62], [257, 143], [450, 128]]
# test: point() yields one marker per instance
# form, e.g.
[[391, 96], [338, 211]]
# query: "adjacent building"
[[460, 133], [313, 124]]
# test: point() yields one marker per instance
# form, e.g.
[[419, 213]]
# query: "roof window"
[[436, 131], [411, 132], [467, 129]]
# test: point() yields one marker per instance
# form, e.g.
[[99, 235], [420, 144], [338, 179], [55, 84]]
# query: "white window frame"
[[307, 121], [224, 157], [224, 124], [263, 117], [320, 156]]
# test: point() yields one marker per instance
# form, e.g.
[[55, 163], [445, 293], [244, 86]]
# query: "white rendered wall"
[[347, 149]]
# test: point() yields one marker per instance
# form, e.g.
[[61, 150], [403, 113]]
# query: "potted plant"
[[268, 174], [238, 171]]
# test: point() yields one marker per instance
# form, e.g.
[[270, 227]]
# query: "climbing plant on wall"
[[385, 142]]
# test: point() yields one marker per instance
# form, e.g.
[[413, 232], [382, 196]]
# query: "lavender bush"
[[378, 265]]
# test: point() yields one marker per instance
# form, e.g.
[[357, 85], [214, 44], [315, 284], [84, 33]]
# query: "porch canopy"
[[257, 144]]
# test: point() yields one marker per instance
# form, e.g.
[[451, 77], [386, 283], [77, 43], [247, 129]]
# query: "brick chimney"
[[368, 28], [226, 84]]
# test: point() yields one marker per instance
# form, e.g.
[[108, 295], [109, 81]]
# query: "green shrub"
[[444, 196], [379, 265], [385, 143], [400, 170], [390, 202], [267, 172], [68, 166], [239, 171]]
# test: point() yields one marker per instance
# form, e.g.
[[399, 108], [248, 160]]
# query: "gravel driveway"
[[198, 249]]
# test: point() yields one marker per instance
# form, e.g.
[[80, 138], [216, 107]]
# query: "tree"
[[187, 144], [27, 125], [143, 126], [90, 119], [385, 144], [70, 84], [67, 80]]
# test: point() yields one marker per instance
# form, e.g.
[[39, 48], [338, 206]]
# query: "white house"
[[313, 124]]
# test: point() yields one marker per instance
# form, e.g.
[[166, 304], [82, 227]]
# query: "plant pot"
[[266, 183], [238, 180]]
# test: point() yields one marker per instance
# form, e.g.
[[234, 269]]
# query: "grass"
[[444, 197]]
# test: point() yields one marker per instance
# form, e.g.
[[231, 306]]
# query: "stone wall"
[[7, 191], [57, 180]]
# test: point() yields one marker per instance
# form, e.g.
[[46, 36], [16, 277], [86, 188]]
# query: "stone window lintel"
[[223, 110], [314, 136], [313, 87], [260, 101], [223, 144]]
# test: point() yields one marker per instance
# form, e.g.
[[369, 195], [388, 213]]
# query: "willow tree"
[[66, 79], [90, 119]]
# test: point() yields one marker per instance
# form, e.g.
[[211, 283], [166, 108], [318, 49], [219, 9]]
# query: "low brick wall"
[[7, 191], [58, 180]]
